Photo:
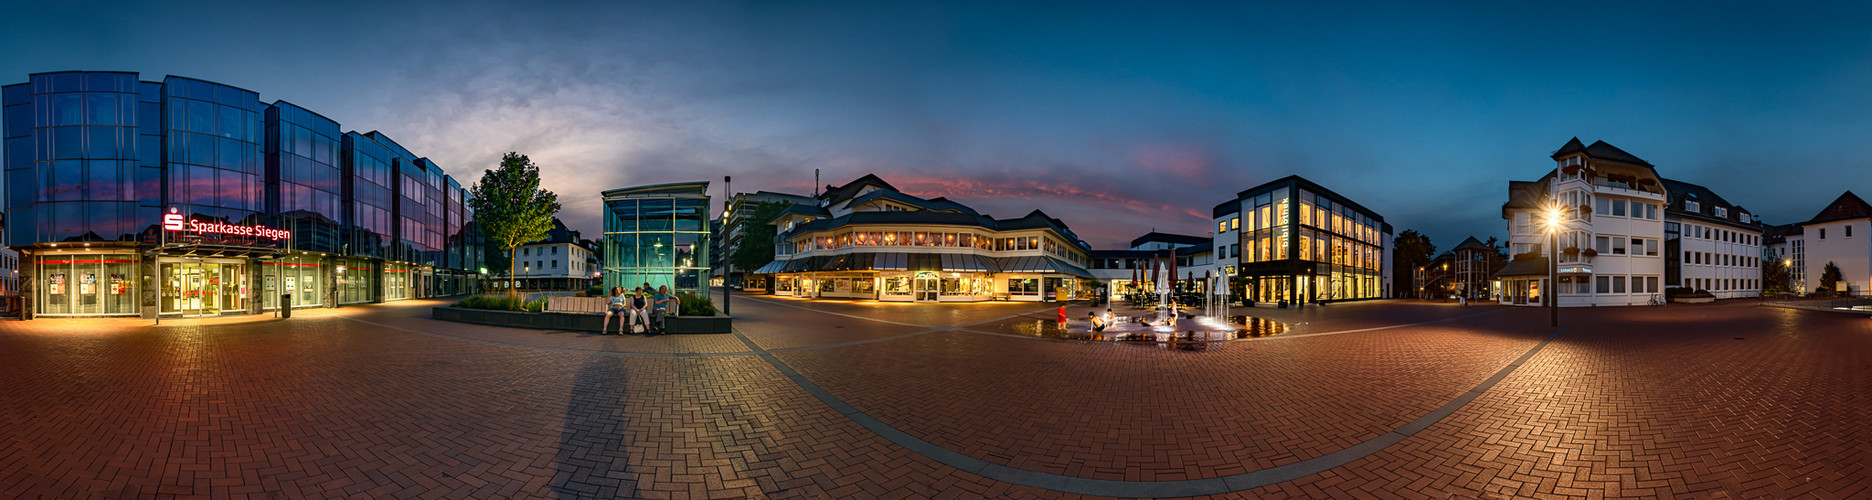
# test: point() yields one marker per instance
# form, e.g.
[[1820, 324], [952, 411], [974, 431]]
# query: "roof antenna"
[[815, 183]]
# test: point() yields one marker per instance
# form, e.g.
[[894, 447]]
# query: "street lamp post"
[[1553, 224], [727, 260]]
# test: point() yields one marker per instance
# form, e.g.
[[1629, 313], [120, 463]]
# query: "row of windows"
[[1621, 208], [1314, 211], [1716, 259], [1723, 284], [1616, 245], [1314, 246], [1047, 245], [1720, 234]]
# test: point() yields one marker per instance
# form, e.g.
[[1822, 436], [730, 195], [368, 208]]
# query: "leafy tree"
[[1830, 278], [1775, 277], [1409, 250], [510, 207], [757, 236]]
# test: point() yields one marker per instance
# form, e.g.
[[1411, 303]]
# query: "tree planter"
[[572, 321]]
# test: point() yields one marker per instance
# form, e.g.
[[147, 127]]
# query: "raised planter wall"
[[572, 321]]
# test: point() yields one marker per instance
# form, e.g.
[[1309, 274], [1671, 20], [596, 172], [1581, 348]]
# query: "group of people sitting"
[[640, 309]]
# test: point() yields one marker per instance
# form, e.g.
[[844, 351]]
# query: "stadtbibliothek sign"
[[175, 222]]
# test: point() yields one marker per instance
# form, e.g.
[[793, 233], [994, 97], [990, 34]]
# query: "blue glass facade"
[[657, 235], [95, 163]]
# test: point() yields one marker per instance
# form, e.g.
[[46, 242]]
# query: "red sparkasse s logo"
[[172, 222]]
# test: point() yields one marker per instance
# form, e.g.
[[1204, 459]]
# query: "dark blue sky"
[[1115, 117]]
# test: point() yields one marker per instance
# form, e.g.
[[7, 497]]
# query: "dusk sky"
[[1117, 118]]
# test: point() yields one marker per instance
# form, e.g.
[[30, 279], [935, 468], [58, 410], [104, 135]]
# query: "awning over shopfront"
[[892, 261], [846, 262], [965, 263], [1531, 266], [797, 266], [772, 267], [1041, 265]]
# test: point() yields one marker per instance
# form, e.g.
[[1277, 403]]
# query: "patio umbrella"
[[1154, 268]]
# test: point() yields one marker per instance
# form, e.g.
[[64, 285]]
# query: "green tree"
[[1775, 277], [1409, 250], [1829, 279], [510, 207], [757, 236]]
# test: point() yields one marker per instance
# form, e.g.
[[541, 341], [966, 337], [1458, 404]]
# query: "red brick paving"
[[1646, 403], [1132, 412], [1628, 402]]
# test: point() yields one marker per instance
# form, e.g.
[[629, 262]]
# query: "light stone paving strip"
[[1182, 488]]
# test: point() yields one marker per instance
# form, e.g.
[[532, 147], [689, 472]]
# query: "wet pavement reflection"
[[1188, 333]]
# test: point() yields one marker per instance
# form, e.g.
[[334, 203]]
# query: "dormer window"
[[1692, 206], [1722, 212], [1745, 217]]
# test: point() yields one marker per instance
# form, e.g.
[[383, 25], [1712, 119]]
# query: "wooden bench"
[[576, 305]]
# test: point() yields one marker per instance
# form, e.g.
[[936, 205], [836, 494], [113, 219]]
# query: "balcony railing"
[[1601, 188]]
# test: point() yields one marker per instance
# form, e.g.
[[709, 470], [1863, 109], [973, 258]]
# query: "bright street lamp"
[[1553, 224]]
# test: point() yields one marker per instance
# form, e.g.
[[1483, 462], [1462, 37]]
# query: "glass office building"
[[657, 235], [1302, 243], [187, 197]]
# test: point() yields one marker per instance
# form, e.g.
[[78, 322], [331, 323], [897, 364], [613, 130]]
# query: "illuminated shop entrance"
[[204, 287], [926, 287]]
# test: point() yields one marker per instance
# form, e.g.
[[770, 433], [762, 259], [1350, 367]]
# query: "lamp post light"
[[1553, 225], [727, 259]]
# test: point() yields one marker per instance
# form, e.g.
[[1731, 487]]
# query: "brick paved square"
[[1723, 400]]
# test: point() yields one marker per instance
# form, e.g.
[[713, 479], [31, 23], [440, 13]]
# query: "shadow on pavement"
[[593, 461]]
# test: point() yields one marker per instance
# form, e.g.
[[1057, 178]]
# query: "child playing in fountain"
[[1098, 324]]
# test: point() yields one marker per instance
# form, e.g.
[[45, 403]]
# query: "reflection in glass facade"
[[657, 235], [95, 161], [303, 176]]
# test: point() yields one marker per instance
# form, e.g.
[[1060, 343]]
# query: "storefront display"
[[59, 295]]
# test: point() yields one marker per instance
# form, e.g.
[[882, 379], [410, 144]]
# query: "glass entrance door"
[[203, 289], [926, 289]]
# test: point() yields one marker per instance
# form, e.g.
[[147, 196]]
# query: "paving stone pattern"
[[379, 401]]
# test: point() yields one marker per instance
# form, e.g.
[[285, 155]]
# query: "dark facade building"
[[188, 197], [1301, 243]]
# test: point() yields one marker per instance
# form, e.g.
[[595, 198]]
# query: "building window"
[[1692, 206], [1722, 212], [1849, 231], [1823, 233]]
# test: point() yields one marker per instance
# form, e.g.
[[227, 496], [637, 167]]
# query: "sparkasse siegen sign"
[[175, 222]]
